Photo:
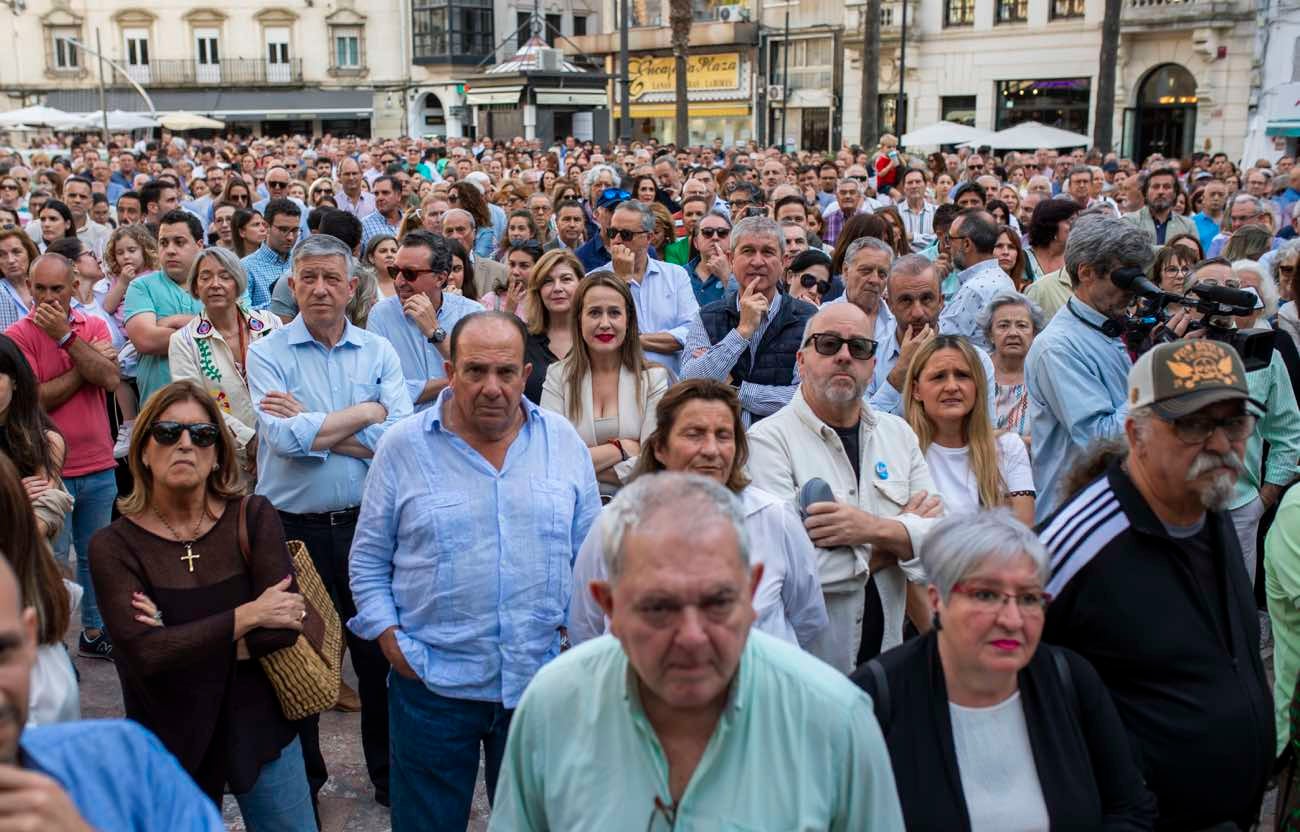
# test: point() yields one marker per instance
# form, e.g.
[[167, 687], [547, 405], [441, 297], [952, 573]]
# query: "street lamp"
[[785, 62]]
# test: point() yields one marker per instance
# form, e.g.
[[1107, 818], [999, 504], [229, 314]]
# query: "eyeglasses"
[[808, 281], [1286, 269], [276, 185], [7, 187], [1197, 430], [624, 234], [989, 601], [409, 275], [1181, 271], [828, 343], [287, 232], [710, 233], [329, 191], [202, 434]]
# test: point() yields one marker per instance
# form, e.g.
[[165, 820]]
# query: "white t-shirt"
[[953, 477], [999, 778]]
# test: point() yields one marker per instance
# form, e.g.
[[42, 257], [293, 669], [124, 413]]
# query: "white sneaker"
[[123, 444]]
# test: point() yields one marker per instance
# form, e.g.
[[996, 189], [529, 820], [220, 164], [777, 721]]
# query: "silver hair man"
[[1105, 242], [321, 245], [757, 227]]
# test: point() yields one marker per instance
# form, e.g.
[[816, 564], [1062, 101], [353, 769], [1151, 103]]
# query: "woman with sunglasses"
[[191, 616], [321, 188], [237, 193], [11, 198], [604, 386], [710, 268], [212, 349], [988, 728], [809, 276], [945, 400], [565, 189]]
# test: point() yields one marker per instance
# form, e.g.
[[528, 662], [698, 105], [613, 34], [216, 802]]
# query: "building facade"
[[1275, 115], [1184, 75], [260, 67]]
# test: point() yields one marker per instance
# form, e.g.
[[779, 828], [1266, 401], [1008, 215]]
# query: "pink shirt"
[[83, 418]]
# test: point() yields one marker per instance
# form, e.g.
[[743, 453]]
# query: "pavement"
[[347, 800]]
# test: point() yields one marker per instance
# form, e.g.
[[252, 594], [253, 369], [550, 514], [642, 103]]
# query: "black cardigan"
[[1088, 773]]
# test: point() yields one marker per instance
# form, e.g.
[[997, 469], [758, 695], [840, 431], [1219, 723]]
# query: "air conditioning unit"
[[550, 60], [733, 14], [776, 92]]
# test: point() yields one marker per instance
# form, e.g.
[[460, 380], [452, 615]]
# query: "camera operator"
[[1077, 369], [1260, 485]]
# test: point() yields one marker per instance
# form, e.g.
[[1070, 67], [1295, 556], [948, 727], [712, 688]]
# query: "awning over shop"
[[584, 98], [1284, 113], [493, 95], [704, 109]]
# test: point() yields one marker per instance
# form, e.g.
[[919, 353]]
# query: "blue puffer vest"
[[776, 351]]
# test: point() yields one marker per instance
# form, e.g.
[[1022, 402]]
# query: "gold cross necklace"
[[189, 557]]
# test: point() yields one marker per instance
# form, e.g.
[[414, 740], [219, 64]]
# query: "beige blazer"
[[636, 418], [488, 274]]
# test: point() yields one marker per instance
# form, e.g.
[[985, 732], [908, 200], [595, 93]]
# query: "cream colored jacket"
[[793, 446]]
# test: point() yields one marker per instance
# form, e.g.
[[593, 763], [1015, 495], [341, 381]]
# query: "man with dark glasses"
[[594, 253], [875, 469], [750, 337]]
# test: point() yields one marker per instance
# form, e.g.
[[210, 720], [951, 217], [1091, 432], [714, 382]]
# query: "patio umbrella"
[[118, 120], [943, 132], [38, 116], [182, 120], [1031, 135]]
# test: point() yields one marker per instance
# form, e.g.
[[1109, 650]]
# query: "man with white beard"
[[1149, 585]]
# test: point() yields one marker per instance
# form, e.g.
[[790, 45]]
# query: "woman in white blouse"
[[212, 349], [945, 400], [604, 386]]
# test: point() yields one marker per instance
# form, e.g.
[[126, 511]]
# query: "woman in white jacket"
[[212, 349]]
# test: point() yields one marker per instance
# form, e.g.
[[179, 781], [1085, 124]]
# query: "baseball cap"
[[1181, 377]]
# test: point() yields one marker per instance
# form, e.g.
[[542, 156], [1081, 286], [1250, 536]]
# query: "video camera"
[[1215, 303]]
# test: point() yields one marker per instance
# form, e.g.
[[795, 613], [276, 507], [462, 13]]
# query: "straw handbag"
[[306, 675]]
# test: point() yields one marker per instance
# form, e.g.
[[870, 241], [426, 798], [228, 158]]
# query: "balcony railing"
[[228, 72]]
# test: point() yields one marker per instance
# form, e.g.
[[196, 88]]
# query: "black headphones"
[[1111, 328]]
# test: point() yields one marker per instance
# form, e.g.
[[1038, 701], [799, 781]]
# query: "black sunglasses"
[[277, 184], [624, 234], [710, 233], [808, 281], [828, 343], [202, 434]]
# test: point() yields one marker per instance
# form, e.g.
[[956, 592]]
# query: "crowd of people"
[[961, 482]]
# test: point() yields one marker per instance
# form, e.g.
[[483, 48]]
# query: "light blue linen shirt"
[[1279, 425], [665, 302], [362, 367], [1078, 383], [979, 284], [474, 566], [421, 360], [374, 225], [797, 746]]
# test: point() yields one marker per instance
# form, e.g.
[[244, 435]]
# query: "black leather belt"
[[342, 517]]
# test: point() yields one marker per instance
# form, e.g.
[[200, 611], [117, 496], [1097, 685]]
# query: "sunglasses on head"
[[614, 193], [828, 343], [808, 281], [202, 434]]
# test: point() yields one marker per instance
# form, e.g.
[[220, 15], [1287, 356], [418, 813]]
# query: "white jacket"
[[793, 446]]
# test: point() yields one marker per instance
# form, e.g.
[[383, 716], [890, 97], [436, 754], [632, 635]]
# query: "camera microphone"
[[1224, 295]]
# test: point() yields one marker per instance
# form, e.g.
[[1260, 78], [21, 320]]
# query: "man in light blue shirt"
[[270, 262], [325, 392], [972, 237], [387, 215], [665, 302], [462, 566], [418, 319], [1077, 368], [598, 740]]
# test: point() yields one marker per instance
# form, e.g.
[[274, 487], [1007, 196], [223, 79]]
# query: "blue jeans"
[[93, 510], [280, 800], [434, 746]]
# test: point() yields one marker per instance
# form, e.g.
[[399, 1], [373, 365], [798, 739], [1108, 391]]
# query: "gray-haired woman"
[[211, 350], [986, 728], [1011, 322]]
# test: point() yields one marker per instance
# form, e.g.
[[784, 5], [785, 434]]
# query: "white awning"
[[494, 95], [585, 98]]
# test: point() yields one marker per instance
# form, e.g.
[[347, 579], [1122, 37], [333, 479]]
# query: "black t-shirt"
[[1198, 549], [849, 437]]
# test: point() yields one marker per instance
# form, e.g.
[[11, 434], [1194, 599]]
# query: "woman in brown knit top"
[[189, 618]]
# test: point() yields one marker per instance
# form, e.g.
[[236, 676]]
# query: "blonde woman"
[[551, 289], [946, 398], [212, 349], [604, 386]]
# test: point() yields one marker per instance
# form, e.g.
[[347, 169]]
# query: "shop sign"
[[704, 73]]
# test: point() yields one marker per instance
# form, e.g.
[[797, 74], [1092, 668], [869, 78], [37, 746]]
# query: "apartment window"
[[646, 12], [451, 31], [523, 28], [1066, 9], [347, 48], [554, 22], [959, 109], [579, 25], [1013, 11], [959, 12], [64, 57], [812, 64]]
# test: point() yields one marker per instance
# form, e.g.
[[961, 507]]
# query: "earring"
[[938, 625], [216, 466]]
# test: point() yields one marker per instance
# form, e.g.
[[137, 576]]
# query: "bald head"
[[844, 318]]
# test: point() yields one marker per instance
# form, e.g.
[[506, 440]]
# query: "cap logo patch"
[[1200, 362]]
